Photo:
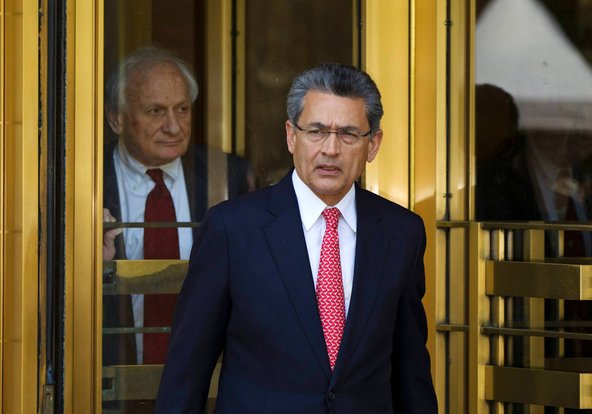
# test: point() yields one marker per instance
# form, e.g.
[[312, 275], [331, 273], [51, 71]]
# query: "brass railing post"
[[534, 310], [479, 308], [497, 251]]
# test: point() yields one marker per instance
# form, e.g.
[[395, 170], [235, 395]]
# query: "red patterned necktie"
[[159, 243], [330, 286]]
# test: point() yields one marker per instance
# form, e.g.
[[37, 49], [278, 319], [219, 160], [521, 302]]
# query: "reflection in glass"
[[533, 134], [534, 117], [154, 175]]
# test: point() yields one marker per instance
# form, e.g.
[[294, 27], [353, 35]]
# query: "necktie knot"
[[160, 189], [157, 176], [331, 216]]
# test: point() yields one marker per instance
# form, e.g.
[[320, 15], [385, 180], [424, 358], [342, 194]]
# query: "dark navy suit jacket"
[[249, 292]]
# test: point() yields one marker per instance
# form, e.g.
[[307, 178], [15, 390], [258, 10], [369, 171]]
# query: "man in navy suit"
[[252, 290]]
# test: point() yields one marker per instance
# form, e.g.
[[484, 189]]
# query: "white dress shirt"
[[134, 185], [313, 224]]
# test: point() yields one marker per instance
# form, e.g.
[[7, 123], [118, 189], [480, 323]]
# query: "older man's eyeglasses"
[[319, 135]]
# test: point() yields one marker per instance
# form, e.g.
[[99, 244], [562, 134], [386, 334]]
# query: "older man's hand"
[[109, 236]]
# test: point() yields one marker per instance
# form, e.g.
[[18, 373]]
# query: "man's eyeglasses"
[[318, 135]]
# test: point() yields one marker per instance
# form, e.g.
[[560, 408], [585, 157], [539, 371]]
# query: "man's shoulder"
[[245, 213]]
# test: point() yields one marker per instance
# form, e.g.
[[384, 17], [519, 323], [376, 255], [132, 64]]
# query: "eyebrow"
[[160, 104], [319, 125]]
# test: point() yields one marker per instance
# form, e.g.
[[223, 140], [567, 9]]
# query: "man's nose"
[[171, 123], [332, 146]]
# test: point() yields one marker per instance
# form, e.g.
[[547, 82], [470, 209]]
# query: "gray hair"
[[340, 80], [141, 61]]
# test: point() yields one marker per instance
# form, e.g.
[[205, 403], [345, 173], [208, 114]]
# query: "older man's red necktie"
[[329, 288], [159, 243]]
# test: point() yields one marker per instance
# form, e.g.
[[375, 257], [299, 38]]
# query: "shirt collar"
[[311, 206], [137, 169]]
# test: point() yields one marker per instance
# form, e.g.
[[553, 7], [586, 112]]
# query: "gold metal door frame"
[[82, 384], [19, 201], [405, 52], [410, 51]]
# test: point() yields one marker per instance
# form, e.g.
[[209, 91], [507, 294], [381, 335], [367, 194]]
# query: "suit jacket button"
[[331, 396]]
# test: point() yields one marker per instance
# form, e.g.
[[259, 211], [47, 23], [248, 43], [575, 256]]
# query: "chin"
[[162, 160], [172, 155], [328, 192]]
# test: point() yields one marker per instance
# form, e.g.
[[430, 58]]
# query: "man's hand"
[[109, 236]]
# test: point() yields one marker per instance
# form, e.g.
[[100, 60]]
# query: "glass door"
[[514, 321], [210, 78], [533, 147]]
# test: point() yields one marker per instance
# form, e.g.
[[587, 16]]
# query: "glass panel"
[[533, 134], [534, 112], [157, 172], [295, 36], [153, 121]]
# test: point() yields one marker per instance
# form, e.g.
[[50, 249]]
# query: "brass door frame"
[[19, 205], [406, 52], [84, 183], [219, 74], [412, 49]]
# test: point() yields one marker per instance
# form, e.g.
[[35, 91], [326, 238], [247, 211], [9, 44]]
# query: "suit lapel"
[[110, 191], [371, 247], [117, 310], [111, 198], [287, 245]]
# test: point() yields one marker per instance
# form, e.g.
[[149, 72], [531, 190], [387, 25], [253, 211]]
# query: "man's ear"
[[290, 136], [115, 120], [374, 145]]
